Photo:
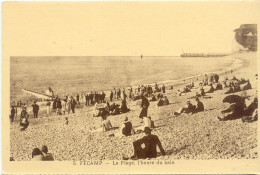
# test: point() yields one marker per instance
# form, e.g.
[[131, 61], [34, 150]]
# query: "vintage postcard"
[[130, 87]]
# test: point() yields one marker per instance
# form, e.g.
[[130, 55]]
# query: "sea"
[[71, 75]]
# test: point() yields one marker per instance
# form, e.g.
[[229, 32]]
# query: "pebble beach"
[[197, 136]]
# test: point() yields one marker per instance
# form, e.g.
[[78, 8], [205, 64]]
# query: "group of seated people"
[[41, 155], [163, 102], [113, 109], [186, 89], [240, 110], [190, 108], [125, 129], [236, 87]]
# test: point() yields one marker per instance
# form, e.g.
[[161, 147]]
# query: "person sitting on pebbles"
[[37, 155], [46, 156], [247, 86], [189, 108], [126, 129], [147, 122], [230, 90], [211, 90], [250, 113], [199, 106], [163, 102], [150, 142], [24, 124], [124, 108], [160, 102], [235, 111], [105, 125], [153, 98], [95, 110]]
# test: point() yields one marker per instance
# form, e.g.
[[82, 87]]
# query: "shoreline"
[[236, 63]]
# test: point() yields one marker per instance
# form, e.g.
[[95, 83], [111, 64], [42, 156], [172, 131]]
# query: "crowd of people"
[[108, 107]]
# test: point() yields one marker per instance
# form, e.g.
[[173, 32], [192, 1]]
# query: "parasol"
[[233, 99]]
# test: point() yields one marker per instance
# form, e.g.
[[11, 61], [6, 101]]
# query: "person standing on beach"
[[63, 104], [163, 88], [12, 114], [59, 106], [91, 97], [48, 108], [111, 96], [54, 105], [144, 105], [118, 94], [115, 93], [35, 110], [77, 97], [103, 96], [73, 104], [87, 99]]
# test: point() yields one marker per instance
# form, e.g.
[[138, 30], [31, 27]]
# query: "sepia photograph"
[[88, 85]]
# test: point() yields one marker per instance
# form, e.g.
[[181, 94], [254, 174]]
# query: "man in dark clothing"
[[160, 102], [149, 151], [216, 78], [103, 96], [189, 108], [113, 106], [35, 110], [77, 96], [127, 128], [144, 105], [59, 106], [115, 93], [199, 106], [111, 96], [73, 104], [118, 94], [235, 111], [87, 99], [23, 113], [163, 89], [91, 98], [124, 108], [251, 108], [12, 114], [153, 98], [54, 105]]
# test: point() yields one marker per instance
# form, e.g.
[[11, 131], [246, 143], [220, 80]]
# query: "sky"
[[123, 28]]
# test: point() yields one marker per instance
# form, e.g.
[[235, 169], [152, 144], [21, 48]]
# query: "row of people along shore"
[[237, 109]]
